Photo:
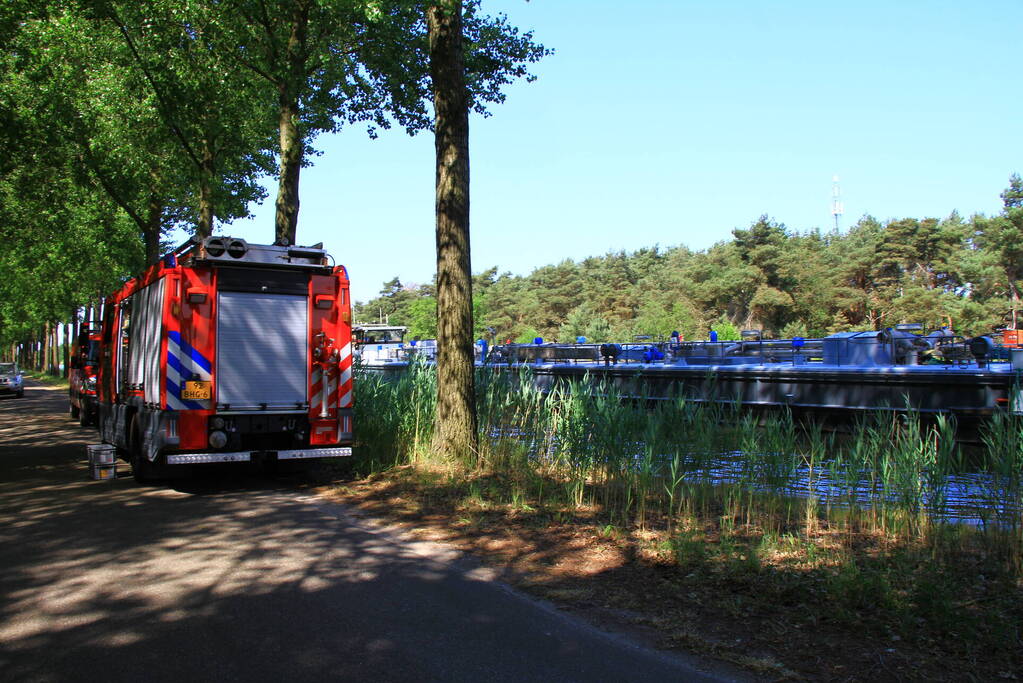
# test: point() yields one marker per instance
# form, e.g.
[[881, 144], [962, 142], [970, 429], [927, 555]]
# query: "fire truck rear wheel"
[[141, 468]]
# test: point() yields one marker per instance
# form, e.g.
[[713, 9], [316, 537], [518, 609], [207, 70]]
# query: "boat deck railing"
[[855, 349]]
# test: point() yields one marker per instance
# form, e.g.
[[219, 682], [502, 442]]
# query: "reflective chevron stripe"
[[345, 394], [184, 364]]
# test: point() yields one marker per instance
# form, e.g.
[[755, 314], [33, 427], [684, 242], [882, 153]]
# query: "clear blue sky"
[[674, 122]]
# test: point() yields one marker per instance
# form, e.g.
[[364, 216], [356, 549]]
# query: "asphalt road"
[[247, 578]]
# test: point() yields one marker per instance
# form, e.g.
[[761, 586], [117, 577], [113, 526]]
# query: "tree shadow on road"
[[249, 578]]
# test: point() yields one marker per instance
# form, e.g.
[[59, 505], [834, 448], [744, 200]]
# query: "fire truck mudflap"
[[228, 352]]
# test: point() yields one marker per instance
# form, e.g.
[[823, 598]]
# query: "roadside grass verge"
[[47, 379]]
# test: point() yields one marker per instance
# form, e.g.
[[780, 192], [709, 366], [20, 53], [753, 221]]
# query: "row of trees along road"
[[123, 120], [961, 271]]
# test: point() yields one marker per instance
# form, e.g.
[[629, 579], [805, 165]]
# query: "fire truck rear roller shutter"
[[261, 350]]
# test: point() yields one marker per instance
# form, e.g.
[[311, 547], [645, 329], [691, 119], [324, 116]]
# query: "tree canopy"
[[122, 120]]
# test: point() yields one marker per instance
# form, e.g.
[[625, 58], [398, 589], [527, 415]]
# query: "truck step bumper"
[[246, 456]]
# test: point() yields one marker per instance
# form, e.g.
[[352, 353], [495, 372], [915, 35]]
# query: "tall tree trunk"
[[45, 365], [152, 230], [286, 220], [204, 228], [69, 329], [54, 349], [1015, 302], [455, 419]]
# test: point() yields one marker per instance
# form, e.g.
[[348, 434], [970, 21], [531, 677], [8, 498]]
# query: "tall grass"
[[580, 444], [1003, 486], [394, 414]]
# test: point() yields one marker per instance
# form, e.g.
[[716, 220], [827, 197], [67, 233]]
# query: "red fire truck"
[[228, 352], [84, 357]]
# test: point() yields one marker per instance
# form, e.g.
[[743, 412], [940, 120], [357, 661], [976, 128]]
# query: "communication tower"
[[836, 200]]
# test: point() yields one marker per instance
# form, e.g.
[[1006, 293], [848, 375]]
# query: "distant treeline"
[[961, 272]]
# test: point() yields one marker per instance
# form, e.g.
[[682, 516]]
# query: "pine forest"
[[962, 272]]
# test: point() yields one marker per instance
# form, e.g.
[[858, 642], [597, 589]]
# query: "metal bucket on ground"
[[102, 461], [103, 472]]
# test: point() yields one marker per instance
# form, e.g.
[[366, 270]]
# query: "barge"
[[841, 375], [856, 371], [379, 345]]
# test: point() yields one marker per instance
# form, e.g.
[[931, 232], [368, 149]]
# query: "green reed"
[[1003, 465], [586, 443]]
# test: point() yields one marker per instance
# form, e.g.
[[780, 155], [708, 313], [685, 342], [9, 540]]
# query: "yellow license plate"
[[196, 391]]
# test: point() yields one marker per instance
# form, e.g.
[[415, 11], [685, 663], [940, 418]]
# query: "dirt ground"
[[618, 578]]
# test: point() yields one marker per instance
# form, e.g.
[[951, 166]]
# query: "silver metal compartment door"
[[261, 351], [153, 328], [144, 343]]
